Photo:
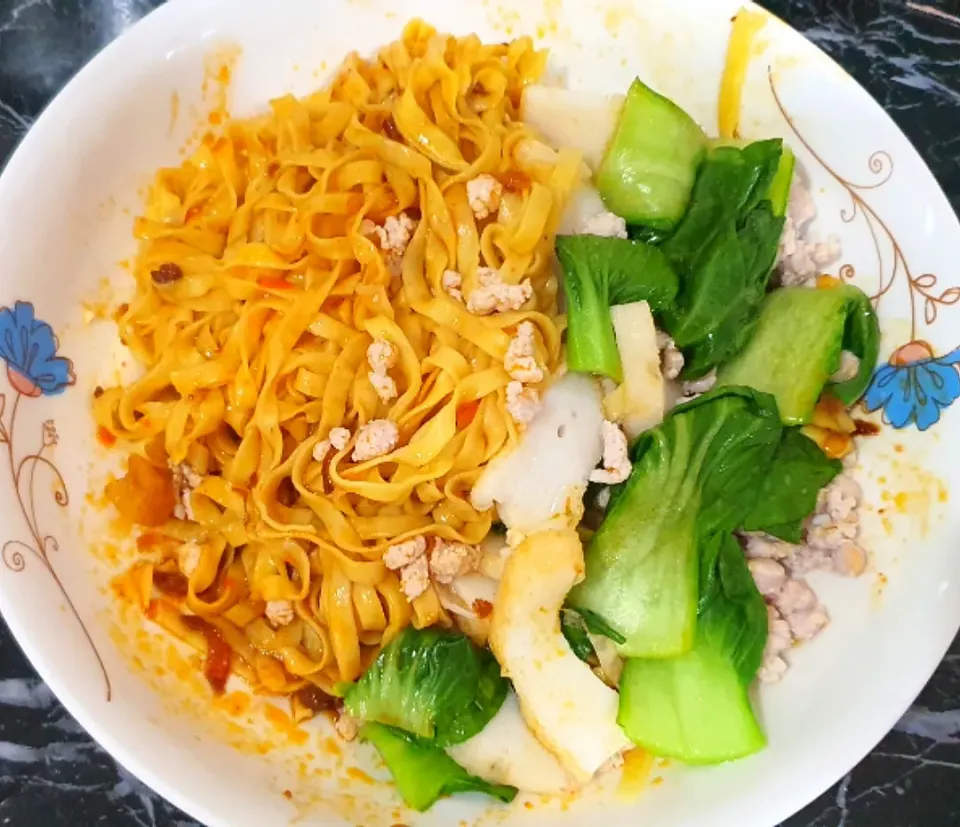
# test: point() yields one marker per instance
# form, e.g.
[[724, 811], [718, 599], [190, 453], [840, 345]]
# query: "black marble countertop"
[[51, 772]]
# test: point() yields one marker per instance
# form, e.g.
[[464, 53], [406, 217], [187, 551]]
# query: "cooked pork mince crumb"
[[849, 367], [483, 194], [414, 578], [777, 567], [520, 361], [393, 237], [695, 387], [339, 437], [381, 356], [410, 559], [495, 296], [793, 613], [185, 480], [605, 224], [779, 640], [347, 726], [801, 608], [396, 233], [167, 273], [831, 535], [384, 386], [801, 259], [768, 574], [375, 439], [671, 359], [522, 403], [835, 527], [280, 612], [616, 459], [403, 554], [451, 282], [449, 560], [320, 450]]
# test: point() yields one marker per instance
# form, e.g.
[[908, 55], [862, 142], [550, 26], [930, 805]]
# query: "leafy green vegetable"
[[724, 249], [695, 707], [575, 631], [788, 493], [432, 683], [761, 233], [732, 612], [651, 161], [596, 625], [730, 185], [600, 272], [578, 625], [648, 235], [797, 347], [861, 337], [693, 476], [780, 187], [423, 771]]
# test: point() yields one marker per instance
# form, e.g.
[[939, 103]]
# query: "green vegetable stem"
[[696, 707], [422, 771], [601, 272], [797, 346]]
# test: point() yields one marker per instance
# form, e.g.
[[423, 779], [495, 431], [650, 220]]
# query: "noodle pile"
[[259, 290]]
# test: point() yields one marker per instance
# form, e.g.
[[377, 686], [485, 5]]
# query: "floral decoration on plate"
[[29, 348], [916, 385]]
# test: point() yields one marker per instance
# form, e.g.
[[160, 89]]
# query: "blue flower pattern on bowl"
[[29, 347], [914, 386]]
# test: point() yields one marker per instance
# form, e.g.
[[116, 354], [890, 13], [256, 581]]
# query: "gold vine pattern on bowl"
[[29, 348], [915, 385]]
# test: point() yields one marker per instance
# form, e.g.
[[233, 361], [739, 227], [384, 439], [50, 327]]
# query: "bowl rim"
[[837, 762]]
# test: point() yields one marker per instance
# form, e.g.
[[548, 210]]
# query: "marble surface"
[[52, 774]]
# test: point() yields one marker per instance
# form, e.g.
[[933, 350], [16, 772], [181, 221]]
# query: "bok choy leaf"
[[598, 273], [693, 476], [651, 161], [432, 683], [724, 250], [797, 346], [423, 771], [788, 492], [695, 707]]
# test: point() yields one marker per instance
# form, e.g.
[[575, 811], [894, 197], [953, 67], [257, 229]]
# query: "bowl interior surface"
[[69, 196]]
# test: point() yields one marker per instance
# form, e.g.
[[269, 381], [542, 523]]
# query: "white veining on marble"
[[14, 118], [13, 19], [841, 799], [27, 693], [941, 727], [19, 754]]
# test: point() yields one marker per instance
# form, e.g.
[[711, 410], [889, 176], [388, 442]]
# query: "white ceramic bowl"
[[67, 198]]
